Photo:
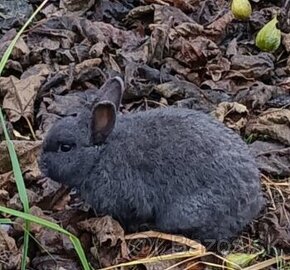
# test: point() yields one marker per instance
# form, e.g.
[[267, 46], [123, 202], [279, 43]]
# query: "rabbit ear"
[[105, 110], [103, 121], [112, 91]]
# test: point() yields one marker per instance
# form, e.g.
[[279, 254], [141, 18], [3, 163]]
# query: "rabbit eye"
[[66, 147]]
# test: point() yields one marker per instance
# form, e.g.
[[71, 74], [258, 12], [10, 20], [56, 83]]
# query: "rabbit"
[[173, 170]]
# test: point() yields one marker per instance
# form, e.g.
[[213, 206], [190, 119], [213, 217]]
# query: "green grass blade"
[[13, 156], [80, 251], [16, 167], [75, 241], [20, 187], [34, 219], [13, 42], [18, 174], [5, 221]]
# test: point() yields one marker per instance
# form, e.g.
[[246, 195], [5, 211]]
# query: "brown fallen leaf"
[[75, 6], [228, 86], [54, 242], [55, 262], [272, 124], [187, 30], [27, 153], [159, 42], [286, 41], [15, 202], [9, 129], [67, 29], [49, 193], [285, 84], [217, 67], [50, 10], [140, 80], [214, 31], [217, 29], [37, 70], [193, 52], [15, 14], [164, 14], [108, 236], [14, 66], [273, 159], [70, 218], [9, 253], [4, 196], [6, 39], [34, 227], [274, 227], [250, 67], [256, 94], [31, 172], [173, 65], [184, 5], [20, 49], [6, 181], [62, 203], [56, 106], [233, 114], [179, 89], [20, 95]]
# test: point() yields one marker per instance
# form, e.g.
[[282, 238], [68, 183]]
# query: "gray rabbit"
[[174, 170]]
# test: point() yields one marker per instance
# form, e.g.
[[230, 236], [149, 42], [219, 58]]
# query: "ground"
[[183, 53]]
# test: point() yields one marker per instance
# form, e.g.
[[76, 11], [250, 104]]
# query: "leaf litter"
[[184, 53]]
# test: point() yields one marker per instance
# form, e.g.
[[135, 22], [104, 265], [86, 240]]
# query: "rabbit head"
[[71, 139]]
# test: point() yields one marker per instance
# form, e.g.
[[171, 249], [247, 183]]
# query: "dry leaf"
[[273, 124], [9, 253], [109, 238], [273, 159], [20, 96], [27, 153], [226, 111], [274, 228]]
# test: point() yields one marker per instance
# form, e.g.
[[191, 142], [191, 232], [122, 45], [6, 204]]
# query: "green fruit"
[[240, 260], [268, 38], [241, 9]]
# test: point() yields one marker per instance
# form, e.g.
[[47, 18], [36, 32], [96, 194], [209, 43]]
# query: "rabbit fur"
[[171, 169]]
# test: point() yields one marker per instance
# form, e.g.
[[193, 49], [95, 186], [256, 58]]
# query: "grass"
[[13, 42], [30, 218], [15, 164], [48, 224], [19, 179], [20, 187]]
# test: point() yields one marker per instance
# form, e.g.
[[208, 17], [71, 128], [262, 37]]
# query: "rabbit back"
[[177, 170]]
